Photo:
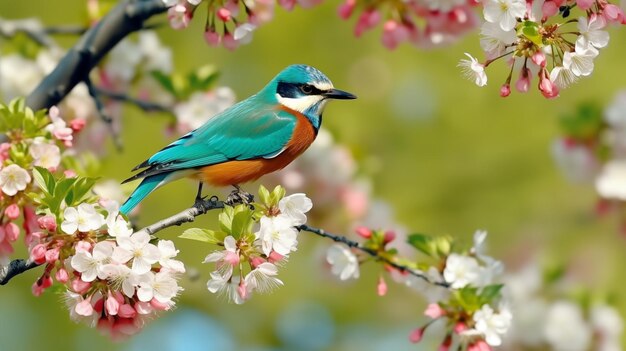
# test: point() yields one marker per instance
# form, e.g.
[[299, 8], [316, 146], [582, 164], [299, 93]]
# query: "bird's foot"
[[239, 196]]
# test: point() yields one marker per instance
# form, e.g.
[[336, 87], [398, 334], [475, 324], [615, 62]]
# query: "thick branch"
[[74, 67], [14, 268], [373, 253]]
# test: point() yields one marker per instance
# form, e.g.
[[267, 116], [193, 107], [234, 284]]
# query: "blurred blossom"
[[18, 76], [611, 183], [344, 263], [201, 106], [576, 161], [565, 328]]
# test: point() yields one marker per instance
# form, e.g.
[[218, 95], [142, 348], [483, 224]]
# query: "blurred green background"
[[448, 156]]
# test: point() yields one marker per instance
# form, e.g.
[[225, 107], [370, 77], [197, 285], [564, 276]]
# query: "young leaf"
[[423, 243], [203, 235]]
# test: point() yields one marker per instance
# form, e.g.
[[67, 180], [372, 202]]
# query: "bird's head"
[[305, 89]]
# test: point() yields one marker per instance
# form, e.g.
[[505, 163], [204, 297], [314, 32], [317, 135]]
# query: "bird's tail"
[[148, 185]]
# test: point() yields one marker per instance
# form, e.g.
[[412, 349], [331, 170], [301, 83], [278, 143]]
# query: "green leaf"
[[264, 195], [423, 243], [489, 293], [226, 219], [530, 30], [44, 179], [203, 235], [242, 221], [166, 82]]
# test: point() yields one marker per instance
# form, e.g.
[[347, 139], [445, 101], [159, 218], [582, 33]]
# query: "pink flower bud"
[[38, 254], [585, 4], [99, 305], [613, 13], [223, 14], [549, 9], [12, 231], [479, 345], [77, 124], [84, 308], [45, 281], [126, 311], [12, 211], [368, 20], [381, 287], [345, 10], [4, 151], [287, 4], [275, 257], [505, 90], [82, 246], [37, 289], [30, 220], [390, 235], [157, 305], [547, 87], [363, 232], [460, 327], [62, 276], [229, 42], [416, 335], [69, 173], [445, 345], [212, 38], [79, 286], [48, 223], [233, 7], [523, 83], [242, 290], [539, 58], [111, 305], [52, 255], [434, 311], [257, 261]]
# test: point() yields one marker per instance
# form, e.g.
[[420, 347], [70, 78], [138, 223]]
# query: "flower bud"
[[12, 211], [48, 223], [364, 232], [62, 276], [505, 90], [38, 254]]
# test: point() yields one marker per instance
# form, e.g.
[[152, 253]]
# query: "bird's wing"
[[239, 133]]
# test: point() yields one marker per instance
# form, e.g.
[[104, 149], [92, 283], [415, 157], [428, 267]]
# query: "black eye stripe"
[[294, 90]]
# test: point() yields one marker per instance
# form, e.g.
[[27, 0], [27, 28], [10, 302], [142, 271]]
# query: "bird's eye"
[[306, 88]]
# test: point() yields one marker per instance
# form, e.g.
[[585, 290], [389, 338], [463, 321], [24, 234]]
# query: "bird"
[[256, 136]]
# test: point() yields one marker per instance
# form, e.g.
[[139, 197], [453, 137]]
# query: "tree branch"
[[372, 253], [147, 106], [14, 268], [30, 26], [127, 17]]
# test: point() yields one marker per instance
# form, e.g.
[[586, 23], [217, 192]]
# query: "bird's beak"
[[338, 94]]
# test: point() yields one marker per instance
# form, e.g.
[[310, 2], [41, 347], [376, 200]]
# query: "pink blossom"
[[79, 286], [82, 246], [549, 9], [547, 87], [77, 124], [613, 13], [460, 327], [364, 232], [179, 17], [224, 14], [434, 311], [479, 345], [69, 173], [62, 276], [4, 151], [229, 42], [58, 127], [12, 231], [52, 255], [381, 287], [287, 4], [416, 335], [505, 90], [212, 37], [126, 311], [539, 58], [368, 20], [346, 9], [84, 308], [111, 305], [523, 83], [48, 223], [30, 224], [12, 211], [38, 254], [274, 257]]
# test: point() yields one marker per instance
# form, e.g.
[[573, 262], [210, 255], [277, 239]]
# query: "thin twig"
[[373, 253], [147, 106], [104, 116], [30, 26]]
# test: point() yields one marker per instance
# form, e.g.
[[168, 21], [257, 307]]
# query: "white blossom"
[[117, 226], [201, 106], [473, 70], [263, 278], [611, 183], [580, 62], [277, 234], [431, 292], [226, 259], [608, 324], [90, 264], [591, 33], [138, 248], [565, 328], [294, 207], [18, 76], [243, 33], [121, 277], [13, 178], [84, 219], [491, 324], [168, 252], [494, 40], [504, 12], [577, 162], [562, 77], [45, 154], [156, 56], [72, 301], [345, 264], [226, 286], [160, 286], [461, 271]]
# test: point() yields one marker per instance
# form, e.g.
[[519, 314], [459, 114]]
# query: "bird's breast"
[[242, 171]]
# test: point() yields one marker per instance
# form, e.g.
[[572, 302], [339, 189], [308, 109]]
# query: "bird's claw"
[[239, 196]]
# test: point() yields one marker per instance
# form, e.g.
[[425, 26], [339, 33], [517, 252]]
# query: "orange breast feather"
[[237, 172]]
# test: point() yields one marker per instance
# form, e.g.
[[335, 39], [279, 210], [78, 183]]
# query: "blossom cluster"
[[423, 23], [537, 38], [546, 317], [250, 257], [230, 23], [592, 149], [32, 139], [460, 287], [115, 279]]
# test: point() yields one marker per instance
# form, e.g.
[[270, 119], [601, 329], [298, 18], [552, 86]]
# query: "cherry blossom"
[[504, 12], [461, 270], [473, 70], [492, 324], [611, 183], [13, 178], [263, 278], [138, 248], [89, 264], [345, 264], [277, 234], [84, 218], [160, 286], [168, 252], [295, 206]]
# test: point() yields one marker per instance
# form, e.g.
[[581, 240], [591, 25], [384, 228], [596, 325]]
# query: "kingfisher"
[[256, 136]]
